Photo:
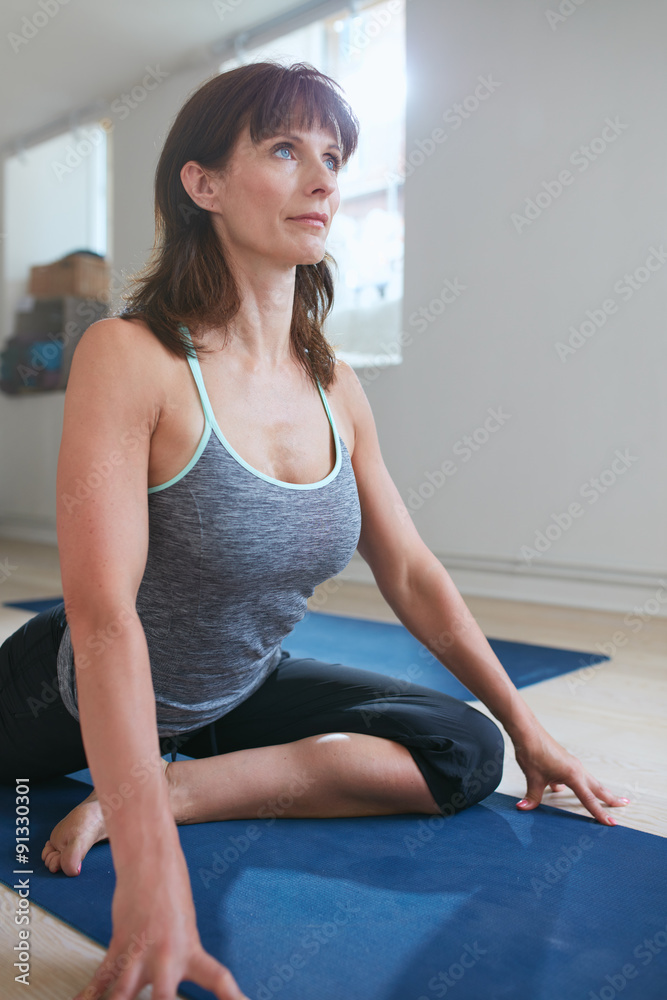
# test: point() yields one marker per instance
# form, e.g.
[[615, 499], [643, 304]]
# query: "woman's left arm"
[[423, 596]]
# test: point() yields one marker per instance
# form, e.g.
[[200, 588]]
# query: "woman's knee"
[[58, 621], [487, 753]]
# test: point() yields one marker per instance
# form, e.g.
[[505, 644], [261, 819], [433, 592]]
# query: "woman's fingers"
[[603, 793], [590, 791], [165, 986], [610, 798], [595, 790], [105, 976], [534, 793], [547, 764], [130, 985], [590, 800], [204, 970], [209, 973]]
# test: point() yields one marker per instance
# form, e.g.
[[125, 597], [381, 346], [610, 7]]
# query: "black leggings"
[[458, 750]]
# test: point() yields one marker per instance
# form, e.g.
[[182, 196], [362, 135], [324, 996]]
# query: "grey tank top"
[[233, 556]]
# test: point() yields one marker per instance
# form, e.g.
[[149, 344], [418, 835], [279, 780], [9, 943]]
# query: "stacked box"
[[38, 356], [82, 273]]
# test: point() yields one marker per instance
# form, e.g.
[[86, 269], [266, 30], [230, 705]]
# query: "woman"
[[194, 521]]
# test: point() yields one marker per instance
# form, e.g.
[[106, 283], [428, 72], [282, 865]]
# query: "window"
[[365, 53], [55, 202]]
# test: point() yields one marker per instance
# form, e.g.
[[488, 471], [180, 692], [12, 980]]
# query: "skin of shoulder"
[[348, 394], [134, 341]]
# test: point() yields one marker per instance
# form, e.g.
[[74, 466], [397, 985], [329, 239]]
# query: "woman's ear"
[[202, 186]]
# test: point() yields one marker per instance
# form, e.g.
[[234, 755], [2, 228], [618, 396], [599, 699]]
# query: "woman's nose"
[[324, 178]]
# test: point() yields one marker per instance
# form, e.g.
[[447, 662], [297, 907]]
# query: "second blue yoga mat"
[[390, 649]]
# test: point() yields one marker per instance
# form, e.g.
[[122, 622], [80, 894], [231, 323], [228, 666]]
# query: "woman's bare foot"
[[73, 837]]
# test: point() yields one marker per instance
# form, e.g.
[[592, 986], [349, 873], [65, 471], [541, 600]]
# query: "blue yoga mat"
[[43, 605], [490, 903], [390, 649]]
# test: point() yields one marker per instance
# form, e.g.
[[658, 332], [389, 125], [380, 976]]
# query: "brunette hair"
[[187, 278]]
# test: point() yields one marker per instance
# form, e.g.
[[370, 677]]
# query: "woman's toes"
[[70, 858], [73, 837], [48, 854], [51, 859]]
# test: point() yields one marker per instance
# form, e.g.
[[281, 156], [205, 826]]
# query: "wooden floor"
[[611, 716]]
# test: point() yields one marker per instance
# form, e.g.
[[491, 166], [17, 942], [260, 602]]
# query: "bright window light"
[[365, 54]]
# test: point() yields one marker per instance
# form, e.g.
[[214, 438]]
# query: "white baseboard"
[[29, 529]]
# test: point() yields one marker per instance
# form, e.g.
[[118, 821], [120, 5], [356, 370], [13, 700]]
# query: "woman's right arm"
[[111, 410]]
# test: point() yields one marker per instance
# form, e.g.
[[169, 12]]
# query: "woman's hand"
[[546, 762], [155, 938]]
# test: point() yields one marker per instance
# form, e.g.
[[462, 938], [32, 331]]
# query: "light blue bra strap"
[[337, 439], [206, 405], [201, 388], [329, 413]]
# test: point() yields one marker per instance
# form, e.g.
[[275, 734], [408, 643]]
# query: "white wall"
[[138, 140], [494, 347], [53, 203]]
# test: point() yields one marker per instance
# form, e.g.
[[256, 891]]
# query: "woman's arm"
[[432, 609], [423, 596], [102, 522]]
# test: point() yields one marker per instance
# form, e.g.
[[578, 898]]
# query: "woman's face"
[[266, 186]]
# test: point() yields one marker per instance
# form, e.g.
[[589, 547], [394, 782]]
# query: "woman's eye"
[[330, 159]]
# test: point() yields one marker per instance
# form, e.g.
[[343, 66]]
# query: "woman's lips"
[[317, 223]]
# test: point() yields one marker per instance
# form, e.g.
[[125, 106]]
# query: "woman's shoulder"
[[129, 354], [347, 395], [125, 345], [134, 336], [346, 387]]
